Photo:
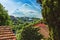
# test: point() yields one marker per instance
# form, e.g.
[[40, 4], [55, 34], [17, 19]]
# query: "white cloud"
[[26, 8], [27, 11], [10, 5], [35, 5]]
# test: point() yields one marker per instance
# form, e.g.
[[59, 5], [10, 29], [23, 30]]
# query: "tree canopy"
[[31, 33], [51, 14], [4, 17]]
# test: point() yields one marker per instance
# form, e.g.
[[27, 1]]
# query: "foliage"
[[4, 17], [51, 13], [20, 23], [18, 34], [30, 33]]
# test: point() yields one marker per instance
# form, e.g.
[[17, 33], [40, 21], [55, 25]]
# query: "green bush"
[[30, 33]]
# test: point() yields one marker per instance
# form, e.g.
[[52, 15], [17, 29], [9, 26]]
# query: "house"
[[44, 30], [6, 33]]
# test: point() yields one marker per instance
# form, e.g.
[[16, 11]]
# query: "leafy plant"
[[31, 33], [4, 17], [51, 14]]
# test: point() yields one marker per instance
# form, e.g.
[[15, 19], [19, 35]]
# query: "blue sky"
[[29, 8]]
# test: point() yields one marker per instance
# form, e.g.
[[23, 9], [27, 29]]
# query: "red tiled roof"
[[40, 25], [43, 29], [6, 33]]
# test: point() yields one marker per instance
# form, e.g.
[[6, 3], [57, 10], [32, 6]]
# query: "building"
[[44, 30], [6, 33]]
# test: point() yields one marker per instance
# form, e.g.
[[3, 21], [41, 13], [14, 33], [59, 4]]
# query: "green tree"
[[31, 33], [51, 13], [4, 17], [18, 34]]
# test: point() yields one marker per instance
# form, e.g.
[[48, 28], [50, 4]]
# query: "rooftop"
[[6, 33], [44, 30]]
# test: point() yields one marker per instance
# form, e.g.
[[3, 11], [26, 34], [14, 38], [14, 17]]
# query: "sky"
[[20, 8]]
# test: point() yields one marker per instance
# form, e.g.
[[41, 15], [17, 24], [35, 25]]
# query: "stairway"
[[6, 33]]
